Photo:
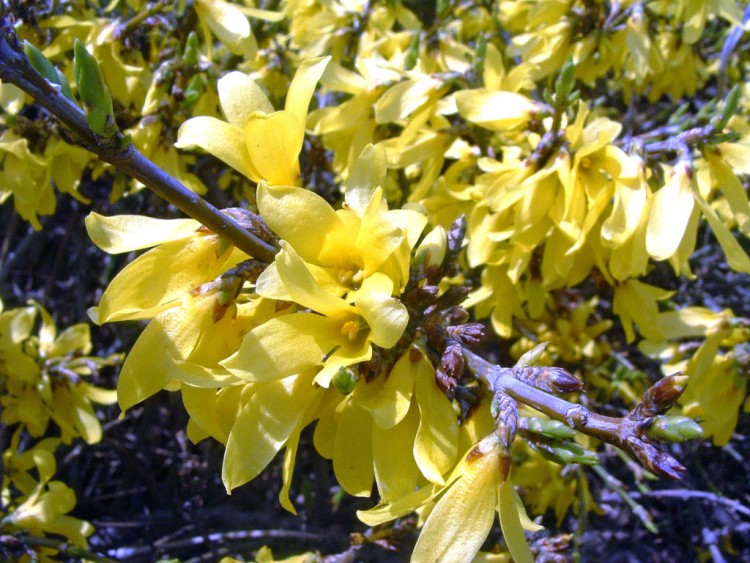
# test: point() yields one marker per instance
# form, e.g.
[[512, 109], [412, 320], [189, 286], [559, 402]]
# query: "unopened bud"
[[676, 429], [433, 247], [660, 397], [549, 428], [44, 67], [550, 379], [190, 57], [97, 101], [563, 452], [531, 357], [345, 380], [654, 459]]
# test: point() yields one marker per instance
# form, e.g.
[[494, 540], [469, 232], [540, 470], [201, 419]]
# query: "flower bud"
[[433, 247], [660, 397], [345, 380]]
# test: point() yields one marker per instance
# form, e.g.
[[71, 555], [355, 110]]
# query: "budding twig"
[[629, 433], [15, 69]]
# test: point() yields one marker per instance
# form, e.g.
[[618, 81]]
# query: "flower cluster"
[[521, 164], [43, 379]]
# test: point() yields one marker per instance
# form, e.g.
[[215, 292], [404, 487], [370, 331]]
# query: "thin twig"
[[685, 494], [16, 69]]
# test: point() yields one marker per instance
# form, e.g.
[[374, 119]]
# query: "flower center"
[[350, 329]]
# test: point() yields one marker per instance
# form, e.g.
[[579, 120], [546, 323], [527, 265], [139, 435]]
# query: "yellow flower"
[[43, 505], [259, 142], [341, 335], [461, 519]]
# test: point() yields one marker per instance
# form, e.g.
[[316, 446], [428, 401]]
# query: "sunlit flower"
[[259, 142]]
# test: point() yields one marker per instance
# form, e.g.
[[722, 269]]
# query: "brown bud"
[[469, 333], [654, 459], [550, 379], [660, 397]]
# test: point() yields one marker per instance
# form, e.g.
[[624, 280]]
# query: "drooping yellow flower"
[[465, 510], [259, 142]]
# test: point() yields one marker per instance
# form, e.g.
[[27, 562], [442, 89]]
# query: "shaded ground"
[[151, 493]]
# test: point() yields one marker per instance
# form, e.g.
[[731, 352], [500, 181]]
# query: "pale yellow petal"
[[303, 288], [273, 146], [262, 428], [301, 90], [223, 140], [462, 518], [241, 97], [280, 347], [307, 222], [435, 448], [352, 449], [368, 172], [510, 522], [670, 213], [386, 315], [396, 472], [125, 233], [390, 405]]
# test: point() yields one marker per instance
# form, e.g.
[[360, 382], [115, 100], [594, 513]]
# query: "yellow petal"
[[737, 258], [147, 369], [303, 288], [495, 110], [462, 518], [510, 522], [385, 315], [281, 347], [352, 449], [390, 405], [435, 447], [263, 427], [368, 172], [670, 213], [229, 24], [301, 90], [223, 140], [307, 222], [145, 287], [125, 233], [241, 97], [273, 145], [395, 469]]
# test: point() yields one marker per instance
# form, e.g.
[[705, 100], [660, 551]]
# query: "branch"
[[630, 433], [16, 69]]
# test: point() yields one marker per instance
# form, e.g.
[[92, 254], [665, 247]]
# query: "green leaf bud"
[[565, 82], [676, 429], [532, 356], [549, 428], [190, 57], [412, 54], [44, 67], [565, 452], [97, 101]]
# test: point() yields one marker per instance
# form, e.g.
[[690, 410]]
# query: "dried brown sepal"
[[550, 379]]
